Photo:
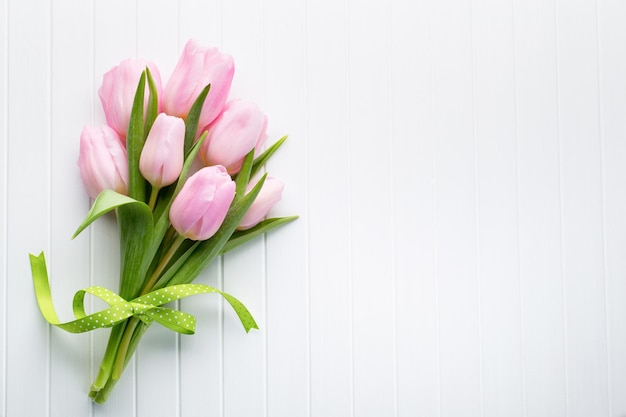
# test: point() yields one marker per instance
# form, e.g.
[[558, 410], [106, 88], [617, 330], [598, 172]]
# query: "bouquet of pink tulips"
[[172, 222]]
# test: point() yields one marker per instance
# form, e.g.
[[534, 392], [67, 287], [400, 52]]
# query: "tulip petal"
[[208, 249], [202, 203]]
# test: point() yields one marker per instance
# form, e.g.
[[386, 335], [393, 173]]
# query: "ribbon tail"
[[180, 291], [42, 288], [120, 309]]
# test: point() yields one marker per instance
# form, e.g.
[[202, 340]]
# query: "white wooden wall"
[[459, 168]]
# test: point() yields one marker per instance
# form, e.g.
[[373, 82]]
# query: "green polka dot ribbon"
[[147, 307]]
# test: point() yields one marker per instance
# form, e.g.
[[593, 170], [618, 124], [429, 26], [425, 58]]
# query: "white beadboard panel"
[[288, 363], [612, 64], [581, 208], [411, 118], [201, 355], [4, 181], [541, 288], [245, 370], [369, 174], [28, 206], [455, 205], [497, 208], [243, 33], [328, 210], [68, 260], [245, 355], [157, 34], [458, 168], [201, 20]]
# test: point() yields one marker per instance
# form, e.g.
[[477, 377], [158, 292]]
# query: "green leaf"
[[153, 104], [136, 226], [134, 144], [175, 266], [242, 236], [106, 201], [193, 117], [136, 233], [243, 177], [189, 158], [265, 156]]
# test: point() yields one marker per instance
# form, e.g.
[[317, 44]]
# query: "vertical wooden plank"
[[243, 36], [201, 20], [287, 282], [115, 39], [497, 204], [28, 205], [157, 34], [201, 362], [581, 198], [456, 247], [371, 208], [543, 347], [4, 185], [288, 307], [413, 208], [158, 354], [612, 64], [245, 355], [71, 109], [328, 208]]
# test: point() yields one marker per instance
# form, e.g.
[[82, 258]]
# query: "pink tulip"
[[117, 93], [162, 156], [201, 206], [269, 195], [197, 67], [240, 128], [102, 161]]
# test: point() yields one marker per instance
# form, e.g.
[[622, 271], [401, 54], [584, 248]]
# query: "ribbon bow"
[[147, 307]]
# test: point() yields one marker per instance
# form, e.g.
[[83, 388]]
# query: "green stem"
[[122, 351], [162, 264], [120, 359], [153, 197], [169, 235], [101, 395], [109, 357]]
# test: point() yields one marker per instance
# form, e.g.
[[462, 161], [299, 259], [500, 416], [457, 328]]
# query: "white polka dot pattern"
[[146, 307]]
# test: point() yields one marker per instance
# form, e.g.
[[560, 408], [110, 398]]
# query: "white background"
[[458, 166]]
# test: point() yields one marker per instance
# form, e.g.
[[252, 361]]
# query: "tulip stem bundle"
[[172, 224], [162, 264]]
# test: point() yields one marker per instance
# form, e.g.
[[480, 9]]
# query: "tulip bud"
[[197, 67], [201, 206], [268, 196], [240, 128], [102, 161], [117, 93], [162, 156]]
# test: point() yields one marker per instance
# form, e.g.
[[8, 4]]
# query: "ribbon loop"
[[146, 307]]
